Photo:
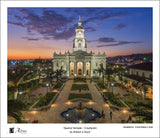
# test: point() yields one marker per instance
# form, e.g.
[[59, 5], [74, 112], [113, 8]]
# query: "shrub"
[[24, 86], [101, 85], [78, 79], [45, 100], [74, 95], [58, 85], [79, 87], [114, 99]]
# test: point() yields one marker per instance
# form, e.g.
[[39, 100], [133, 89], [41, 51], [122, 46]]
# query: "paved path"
[[61, 104]]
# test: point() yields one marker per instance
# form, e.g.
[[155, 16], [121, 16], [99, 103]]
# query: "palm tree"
[[58, 74], [101, 71], [145, 90]]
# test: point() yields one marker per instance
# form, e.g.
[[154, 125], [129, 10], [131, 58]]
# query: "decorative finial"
[[79, 18]]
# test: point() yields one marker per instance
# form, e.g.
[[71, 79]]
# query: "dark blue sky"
[[34, 32]]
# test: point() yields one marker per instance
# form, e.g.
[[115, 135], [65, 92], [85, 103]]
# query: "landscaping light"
[[33, 112], [80, 121], [137, 92], [68, 103], [104, 90], [47, 84], [124, 111], [106, 105], [53, 105], [55, 90], [67, 114], [90, 102]]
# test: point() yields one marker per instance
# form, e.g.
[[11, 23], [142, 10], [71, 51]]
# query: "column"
[[75, 67], [84, 65], [91, 72]]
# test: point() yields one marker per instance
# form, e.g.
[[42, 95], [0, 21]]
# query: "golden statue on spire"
[[79, 18]]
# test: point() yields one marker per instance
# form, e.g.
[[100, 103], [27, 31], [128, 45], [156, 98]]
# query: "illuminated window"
[[62, 63]]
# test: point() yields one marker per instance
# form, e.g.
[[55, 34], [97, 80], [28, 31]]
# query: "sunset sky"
[[34, 32]]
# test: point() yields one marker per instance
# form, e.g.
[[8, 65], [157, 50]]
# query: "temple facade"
[[79, 62]]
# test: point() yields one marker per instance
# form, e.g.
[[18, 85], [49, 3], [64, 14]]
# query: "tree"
[[58, 74], [145, 91], [101, 71], [16, 78], [55, 74], [14, 107], [109, 72]]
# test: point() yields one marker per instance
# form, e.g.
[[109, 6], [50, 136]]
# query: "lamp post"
[[47, 86], [112, 84], [20, 93], [137, 103]]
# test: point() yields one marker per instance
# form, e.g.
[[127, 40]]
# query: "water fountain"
[[80, 114]]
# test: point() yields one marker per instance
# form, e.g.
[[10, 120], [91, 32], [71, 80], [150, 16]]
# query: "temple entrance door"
[[71, 69], [88, 69], [79, 69]]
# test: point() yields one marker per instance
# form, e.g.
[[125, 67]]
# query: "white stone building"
[[79, 63], [142, 74]]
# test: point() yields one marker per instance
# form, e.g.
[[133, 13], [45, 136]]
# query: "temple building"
[[79, 63]]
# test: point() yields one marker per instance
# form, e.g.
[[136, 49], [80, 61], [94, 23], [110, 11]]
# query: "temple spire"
[[79, 23]]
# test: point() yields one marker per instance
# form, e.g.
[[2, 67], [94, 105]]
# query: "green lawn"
[[74, 95], [79, 86]]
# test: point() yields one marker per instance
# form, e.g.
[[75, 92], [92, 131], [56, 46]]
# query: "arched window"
[[62, 64]]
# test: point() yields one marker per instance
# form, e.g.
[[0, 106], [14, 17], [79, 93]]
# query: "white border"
[[103, 130]]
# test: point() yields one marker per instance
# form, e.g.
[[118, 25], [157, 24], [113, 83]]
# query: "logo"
[[11, 130], [17, 130]]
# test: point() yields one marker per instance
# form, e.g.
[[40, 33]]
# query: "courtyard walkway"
[[61, 104]]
